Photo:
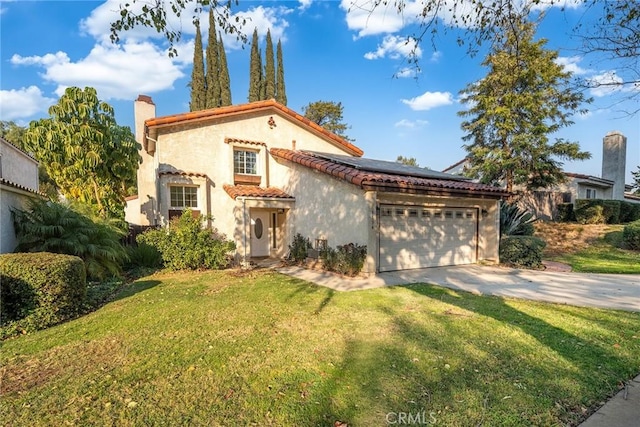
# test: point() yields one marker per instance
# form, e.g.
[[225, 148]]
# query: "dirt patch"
[[564, 238]]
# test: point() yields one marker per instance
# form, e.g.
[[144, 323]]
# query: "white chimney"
[[614, 162]]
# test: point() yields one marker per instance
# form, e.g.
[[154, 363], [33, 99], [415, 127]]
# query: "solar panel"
[[385, 166]]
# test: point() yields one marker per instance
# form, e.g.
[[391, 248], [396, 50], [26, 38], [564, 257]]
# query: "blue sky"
[[331, 53]]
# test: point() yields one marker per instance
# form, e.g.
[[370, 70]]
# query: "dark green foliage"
[[281, 91], [631, 235], [187, 245], [565, 212], [40, 290], [70, 229], [589, 211], [524, 98], [198, 84], [143, 255], [629, 212], [299, 248], [213, 66], [270, 70], [521, 251], [327, 114], [255, 69], [225, 81], [515, 221], [347, 259], [611, 211]]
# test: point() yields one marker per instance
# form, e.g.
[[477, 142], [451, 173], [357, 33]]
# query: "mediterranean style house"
[[19, 183], [610, 186], [265, 173]]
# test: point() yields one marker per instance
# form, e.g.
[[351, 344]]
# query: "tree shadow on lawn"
[[303, 288], [433, 364], [135, 287]]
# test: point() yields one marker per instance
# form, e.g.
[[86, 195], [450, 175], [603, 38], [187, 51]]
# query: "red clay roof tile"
[[235, 191], [253, 106], [383, 181]]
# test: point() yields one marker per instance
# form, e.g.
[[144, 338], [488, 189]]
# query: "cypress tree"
[[270, 70], [255, 69], [225, 81], [198, 89], [281, 93], [261, 80], [213, 66]]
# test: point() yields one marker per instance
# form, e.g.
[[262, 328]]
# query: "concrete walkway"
[[616, 291]]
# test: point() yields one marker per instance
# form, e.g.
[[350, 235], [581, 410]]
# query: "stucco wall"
[[18, 167], [11, 198]]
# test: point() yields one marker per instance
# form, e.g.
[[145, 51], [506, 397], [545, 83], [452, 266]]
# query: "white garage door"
[[419, 237]]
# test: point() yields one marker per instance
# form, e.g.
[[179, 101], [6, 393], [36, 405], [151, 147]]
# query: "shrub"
[[611, 211], [65, 229], [40, 290], [187, 245], [626, 212], [631, 235], [565, 212], [299, 248], [522, 251], [635, 212], [143, 255], [589, 211], [515, 221], [347, 259]]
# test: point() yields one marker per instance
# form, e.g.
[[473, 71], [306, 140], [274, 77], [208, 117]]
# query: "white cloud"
[[368, 18], [395, 47], [117, 72], [265, 18], [563, 4], [409, 124], [304, 4], [23, 103], [605, 84], [570, 64], [429, 100], [407, 72], [435, 56]]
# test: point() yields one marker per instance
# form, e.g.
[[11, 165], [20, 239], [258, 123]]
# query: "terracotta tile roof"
[[12, 184], [589, 177], [381, 181], [236, 191], [182, 173], [234, 110], [243, 141], [29, 155]]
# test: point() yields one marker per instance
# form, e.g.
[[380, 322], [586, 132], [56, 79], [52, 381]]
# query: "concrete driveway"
[[617, 291]]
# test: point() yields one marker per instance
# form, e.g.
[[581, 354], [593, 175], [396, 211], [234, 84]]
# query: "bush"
[[39, 290], [186, 245], [589, 211], [611, 211], [635, 212], [522, 251], [65, 229], [347, 259], [626, 212], [565, 212], [515, 221], [631, 235], [143, 255], [299, 248]]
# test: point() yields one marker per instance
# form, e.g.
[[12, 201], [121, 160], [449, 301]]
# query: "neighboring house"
[[266, 173], [18, 184], [610, 186]]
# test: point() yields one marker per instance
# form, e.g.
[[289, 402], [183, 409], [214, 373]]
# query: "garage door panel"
[[418, 237]]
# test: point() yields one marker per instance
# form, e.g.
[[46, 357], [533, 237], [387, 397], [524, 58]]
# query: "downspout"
[[156, 167], [244, 230]]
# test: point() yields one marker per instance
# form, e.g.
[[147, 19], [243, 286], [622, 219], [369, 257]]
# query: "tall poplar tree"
[[198, 85], [255, 69], [281, 93], [525, 97], [213, 66], [270, 70], [225, 81]]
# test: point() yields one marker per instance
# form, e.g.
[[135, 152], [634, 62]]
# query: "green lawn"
[[224, 348], [604, 256]]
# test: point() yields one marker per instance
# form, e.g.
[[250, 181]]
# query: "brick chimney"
[[614, 162]]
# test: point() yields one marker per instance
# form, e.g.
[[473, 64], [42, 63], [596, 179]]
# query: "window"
[[448, 214], [183, 197], [591, 193], [459, 214], [566, 197], [386, 211], [245, 162], [413, 213]]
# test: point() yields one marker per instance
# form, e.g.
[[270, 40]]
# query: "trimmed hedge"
[[522, 251], [39, 290], [598, 211], [565, 213], [631, 235]]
